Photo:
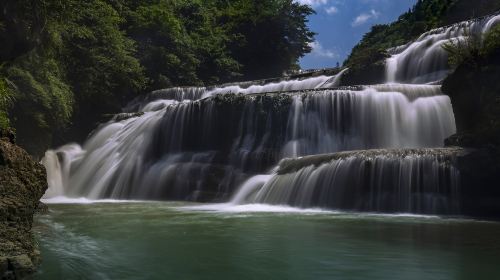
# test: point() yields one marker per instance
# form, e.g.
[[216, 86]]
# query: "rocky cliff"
[[22, 184]]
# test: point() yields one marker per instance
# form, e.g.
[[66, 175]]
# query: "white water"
[[378, 181], [283, 86], [254, 208], [160, 98], [172, 153], [333, 121], [425, 60], [221, 144], [83, 200]]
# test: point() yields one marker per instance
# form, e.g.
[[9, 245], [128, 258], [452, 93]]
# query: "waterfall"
[[203, 149], [413, 181], [425, 60], [302, 142], [196, 93]]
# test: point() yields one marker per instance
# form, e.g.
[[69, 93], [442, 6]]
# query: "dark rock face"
[[475, 93], [480, 183], [22, 184], [370, 74]]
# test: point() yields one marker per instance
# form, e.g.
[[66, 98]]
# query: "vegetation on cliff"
[[64, 64], [424, 16], [474, 89]]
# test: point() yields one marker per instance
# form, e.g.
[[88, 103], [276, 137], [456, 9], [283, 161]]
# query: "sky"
[[341, 24]]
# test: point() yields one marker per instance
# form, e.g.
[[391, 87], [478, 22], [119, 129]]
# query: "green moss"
[[491, 44], [6, 100]]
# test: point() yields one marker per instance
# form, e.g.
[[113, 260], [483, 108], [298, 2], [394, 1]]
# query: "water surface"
[[160, 240]]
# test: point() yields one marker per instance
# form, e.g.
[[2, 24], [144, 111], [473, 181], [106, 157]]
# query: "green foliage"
[[43, 100], [491, 44], [463, 50], [70, 62], [207, 42], [270, 35], [473, 50], [425, 15], [6, 100], [99, 62]]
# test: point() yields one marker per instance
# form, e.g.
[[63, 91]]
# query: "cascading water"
[[196, 93], [202, 149], [425, 60], [413, 181], [202, 143]]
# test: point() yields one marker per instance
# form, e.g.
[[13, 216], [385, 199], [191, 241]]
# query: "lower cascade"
[[423, 181]]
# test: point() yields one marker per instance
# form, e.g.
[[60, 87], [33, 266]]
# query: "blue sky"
[[341, 24]]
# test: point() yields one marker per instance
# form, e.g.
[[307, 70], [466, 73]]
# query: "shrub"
[[6, 100], [464, 50], [491, 44]]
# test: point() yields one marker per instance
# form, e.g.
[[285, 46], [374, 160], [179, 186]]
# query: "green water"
[[163, 241]]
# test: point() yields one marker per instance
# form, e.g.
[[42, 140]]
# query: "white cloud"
[[313, 3], [331, 10], [319, 51], [364, 17]]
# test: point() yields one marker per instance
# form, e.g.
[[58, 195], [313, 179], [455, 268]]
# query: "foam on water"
[[255, 208], [230, 208], [84, 200]]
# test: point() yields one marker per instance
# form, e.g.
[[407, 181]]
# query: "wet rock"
[[126, 116], [291, 165], [22, 184], [461, 140]]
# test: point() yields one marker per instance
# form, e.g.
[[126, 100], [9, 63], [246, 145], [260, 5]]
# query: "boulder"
[[22, 184]]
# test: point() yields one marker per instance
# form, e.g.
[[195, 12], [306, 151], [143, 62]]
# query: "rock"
[[370, 74], [8, 134], [22, 266], [125, 116], [22, 184], [42, 208], [474, 92], [290, 165], [480, 182], [461, 140]]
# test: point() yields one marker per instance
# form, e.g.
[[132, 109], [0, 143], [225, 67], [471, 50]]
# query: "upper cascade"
[[425, 60], [252, 87]]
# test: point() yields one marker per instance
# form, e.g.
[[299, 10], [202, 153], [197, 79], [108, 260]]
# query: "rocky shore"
[[22, 184]]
